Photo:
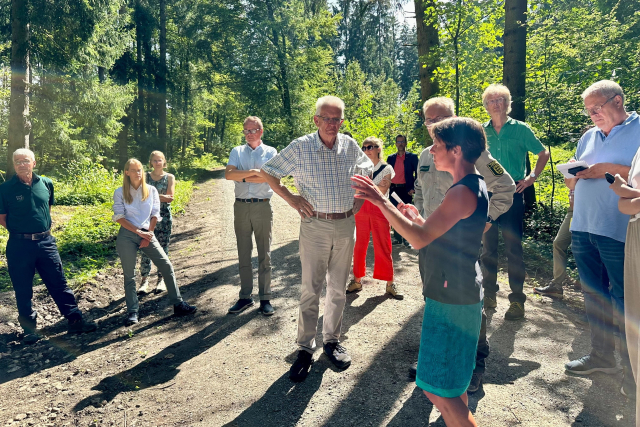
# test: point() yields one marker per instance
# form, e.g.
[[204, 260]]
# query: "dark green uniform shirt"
[[511, 147], [27, 206]]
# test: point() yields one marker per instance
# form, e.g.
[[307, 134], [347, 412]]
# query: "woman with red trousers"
[[369, 220]]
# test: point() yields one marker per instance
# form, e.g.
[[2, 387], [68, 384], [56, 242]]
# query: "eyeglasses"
[[595, 110], [331, 120], [251, 131], [22, 162], [496, 101], [431, 122], [369, 147]]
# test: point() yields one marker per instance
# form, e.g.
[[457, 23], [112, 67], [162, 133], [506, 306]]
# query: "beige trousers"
[[632, 301], [326, 250]]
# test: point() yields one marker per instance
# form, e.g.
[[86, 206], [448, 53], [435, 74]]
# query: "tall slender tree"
[[428, 43]]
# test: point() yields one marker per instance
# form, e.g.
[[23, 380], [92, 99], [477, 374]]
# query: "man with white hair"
[[25, 210], [322, 164], [431, 187], [598, 228], [510, 141]]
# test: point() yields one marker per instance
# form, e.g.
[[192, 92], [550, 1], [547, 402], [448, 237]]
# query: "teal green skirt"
[[448, 346]]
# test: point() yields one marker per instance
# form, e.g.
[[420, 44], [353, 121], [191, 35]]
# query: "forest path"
[[217, 369]]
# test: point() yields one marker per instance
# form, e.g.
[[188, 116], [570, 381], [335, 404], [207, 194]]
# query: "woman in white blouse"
[[136, 207], [369, 220]]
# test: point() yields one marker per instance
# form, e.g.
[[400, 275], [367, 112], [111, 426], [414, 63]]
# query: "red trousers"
[[369, 220]]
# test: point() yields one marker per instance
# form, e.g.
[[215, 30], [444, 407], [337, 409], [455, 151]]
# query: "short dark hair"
[[464, 132], [401, 136]]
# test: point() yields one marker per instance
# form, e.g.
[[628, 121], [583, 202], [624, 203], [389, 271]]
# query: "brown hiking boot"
[[551, 290], [354, 286], [392, 290], [515, 311]]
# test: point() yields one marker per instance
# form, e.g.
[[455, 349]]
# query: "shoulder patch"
[[425, 168], [495, 168]]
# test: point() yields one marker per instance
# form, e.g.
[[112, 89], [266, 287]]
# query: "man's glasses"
[[331, 120], [431, 122], [596, 110], [496, 101], [251, 131], [369, 147], [22, 162]]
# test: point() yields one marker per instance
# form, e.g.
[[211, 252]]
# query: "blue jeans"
[[600, 262], [24, 257], [512, 223]]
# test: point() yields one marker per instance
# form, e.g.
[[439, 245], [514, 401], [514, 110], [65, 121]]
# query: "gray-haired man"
[[322, 164]]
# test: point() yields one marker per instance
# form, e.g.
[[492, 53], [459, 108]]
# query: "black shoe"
[[132, 319], [589, 364], [183, 309], [490, 302], [266, 308], [300, 368], [406, 243], [515, 311], [413, 371], [241, 305], [337, 354], [551, 290], [79, 326], [476, 382], [31, 338]]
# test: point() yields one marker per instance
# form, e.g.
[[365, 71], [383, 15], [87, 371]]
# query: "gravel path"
[[232, 370]]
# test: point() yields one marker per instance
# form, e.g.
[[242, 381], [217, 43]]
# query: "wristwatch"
[[532, 175], [244, 180]]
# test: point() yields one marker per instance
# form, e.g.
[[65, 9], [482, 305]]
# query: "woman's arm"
[[171, 189], [629, 206]]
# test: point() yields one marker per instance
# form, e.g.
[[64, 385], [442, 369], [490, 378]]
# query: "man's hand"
[[301, 206], [594, 171], [144, 243], [527, 182]]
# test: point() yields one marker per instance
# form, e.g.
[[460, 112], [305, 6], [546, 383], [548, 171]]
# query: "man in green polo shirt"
[[25, 210], [510, 141]]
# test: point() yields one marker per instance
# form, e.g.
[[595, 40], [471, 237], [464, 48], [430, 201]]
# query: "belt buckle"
[[34, 236]]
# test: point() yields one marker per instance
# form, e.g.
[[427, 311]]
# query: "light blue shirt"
[[245, 158], [595, 208], [139, 212]]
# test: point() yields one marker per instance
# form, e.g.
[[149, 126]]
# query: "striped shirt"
[[322, 175]]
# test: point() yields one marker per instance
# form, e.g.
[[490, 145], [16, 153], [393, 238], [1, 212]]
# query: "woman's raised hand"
[[366, 189]]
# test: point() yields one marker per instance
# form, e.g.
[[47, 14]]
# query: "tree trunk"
[[139, 65], [123, 138], [101, 74], [162, 80], [428, 44], [19, 124]]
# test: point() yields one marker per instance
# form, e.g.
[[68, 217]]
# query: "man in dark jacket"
[[405, 166]]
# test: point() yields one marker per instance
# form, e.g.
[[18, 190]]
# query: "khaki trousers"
[[256, 219], [632, 301], [560, 247], [326, 250]]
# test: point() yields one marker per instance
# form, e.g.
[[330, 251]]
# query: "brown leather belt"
[[33, 236], [251, 200], [333, 216]]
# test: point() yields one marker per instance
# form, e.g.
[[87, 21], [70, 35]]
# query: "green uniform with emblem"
[[27, 206], [432, 184]]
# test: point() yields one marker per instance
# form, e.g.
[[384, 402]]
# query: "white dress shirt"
[[139, 212]]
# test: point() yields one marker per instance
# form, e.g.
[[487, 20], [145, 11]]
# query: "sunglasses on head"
[[369, 147]]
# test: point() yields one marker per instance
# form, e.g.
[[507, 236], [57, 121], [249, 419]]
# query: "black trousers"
[[402, 190], [24, 257]]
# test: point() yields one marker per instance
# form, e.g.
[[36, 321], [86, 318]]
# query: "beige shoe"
[[160, 287], [144, 286], [354, 286], [392, 290]]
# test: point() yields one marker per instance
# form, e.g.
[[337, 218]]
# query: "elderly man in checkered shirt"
[[322, 164]]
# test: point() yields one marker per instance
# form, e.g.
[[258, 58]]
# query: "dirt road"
[[232, 370]]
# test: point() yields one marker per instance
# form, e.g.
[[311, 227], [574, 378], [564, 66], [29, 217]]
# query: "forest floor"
[[216, 369]]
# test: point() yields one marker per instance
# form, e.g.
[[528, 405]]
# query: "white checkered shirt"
[[321, 175]]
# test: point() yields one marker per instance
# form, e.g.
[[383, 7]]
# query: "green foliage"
[[85, 183]]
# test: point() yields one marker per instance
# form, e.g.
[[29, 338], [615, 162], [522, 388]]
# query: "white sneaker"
[[144, 286], [160, 287]]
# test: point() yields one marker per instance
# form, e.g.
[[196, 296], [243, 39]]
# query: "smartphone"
[[610, 178], [574, 171]]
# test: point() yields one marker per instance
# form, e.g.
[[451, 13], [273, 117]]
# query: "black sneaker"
[[183, 309], [413, 371], [80, 326], [132, 319], [300, 368], [337, 354], [515, 311], [241, 305], [476, 382], [551, 290], [589, 364], [266, 308], [31, 338]]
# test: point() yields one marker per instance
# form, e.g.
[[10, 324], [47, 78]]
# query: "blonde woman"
[[370, 221], [136, 207], [165, 183]]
